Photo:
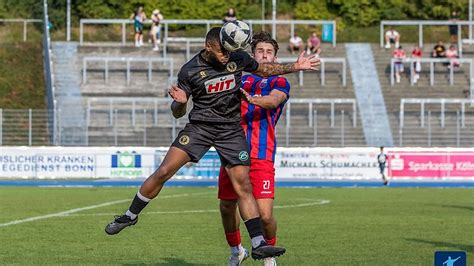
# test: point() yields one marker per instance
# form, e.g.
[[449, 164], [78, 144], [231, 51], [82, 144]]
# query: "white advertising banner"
[[69, 162], [140, 162], [327, 163]]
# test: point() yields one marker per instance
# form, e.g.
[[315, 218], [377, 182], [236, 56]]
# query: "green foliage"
[[358, 13], [312, 9], [22, 80]]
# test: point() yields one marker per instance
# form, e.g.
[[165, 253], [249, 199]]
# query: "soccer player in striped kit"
[[212, 78], [260, 110]]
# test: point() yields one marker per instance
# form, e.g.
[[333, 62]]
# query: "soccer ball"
[[235, 35]]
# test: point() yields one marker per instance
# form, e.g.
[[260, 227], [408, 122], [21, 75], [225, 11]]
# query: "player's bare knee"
[[227, 207], [162, 174], [266, 219]]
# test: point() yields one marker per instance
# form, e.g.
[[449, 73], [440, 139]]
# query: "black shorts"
[[228, 140], [295, 48], [453, 29]]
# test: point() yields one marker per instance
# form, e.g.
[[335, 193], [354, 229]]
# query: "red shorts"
[[262, 177]]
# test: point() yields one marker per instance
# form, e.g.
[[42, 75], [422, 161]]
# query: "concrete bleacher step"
[[413, 134], [68, 94], [100, 132]]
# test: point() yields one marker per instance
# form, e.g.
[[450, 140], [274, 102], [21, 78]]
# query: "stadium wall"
[[294, 164]]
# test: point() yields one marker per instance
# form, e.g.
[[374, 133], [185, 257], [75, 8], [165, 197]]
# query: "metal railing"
[[420, 24], [25, 127], [25, 24], [136, 121], [423, 102], [128, 61], [324, 61], [166, 22], [105, 112], [112, 104], [186, 41], [312, 115], [432, 61]]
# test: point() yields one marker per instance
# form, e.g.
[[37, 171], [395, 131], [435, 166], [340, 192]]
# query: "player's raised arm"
[[271, 101], [274, 69], [178, 107]]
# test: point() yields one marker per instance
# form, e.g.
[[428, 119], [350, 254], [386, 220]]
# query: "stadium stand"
[[107, 70], [413, 134], [129, 125]]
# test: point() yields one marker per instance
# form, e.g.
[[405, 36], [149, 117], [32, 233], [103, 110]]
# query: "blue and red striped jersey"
[[259, 123]]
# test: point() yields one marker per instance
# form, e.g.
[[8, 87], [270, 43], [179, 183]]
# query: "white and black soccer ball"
[[235, 35]]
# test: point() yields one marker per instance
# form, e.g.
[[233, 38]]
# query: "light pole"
[[68, 26], [274, 18], [470, 20]]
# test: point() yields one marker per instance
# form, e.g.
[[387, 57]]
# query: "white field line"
[[318, 202], [68, 212]]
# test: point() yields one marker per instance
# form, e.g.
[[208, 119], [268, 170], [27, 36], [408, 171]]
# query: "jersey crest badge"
[[183, 140], [263, 83], [203, 74], [231, 66], [243, 156]]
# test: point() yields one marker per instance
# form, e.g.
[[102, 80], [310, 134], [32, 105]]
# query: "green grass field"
[[385, 226]]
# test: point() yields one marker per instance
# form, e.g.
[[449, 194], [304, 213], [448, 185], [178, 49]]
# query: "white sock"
[[130, 214], [235, 250], [141, 197], [256, 241], [145, 199]]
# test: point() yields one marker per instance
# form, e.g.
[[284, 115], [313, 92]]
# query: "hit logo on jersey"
[[220, 84]]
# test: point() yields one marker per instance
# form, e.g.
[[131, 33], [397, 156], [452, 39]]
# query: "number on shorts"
[[266, 184]]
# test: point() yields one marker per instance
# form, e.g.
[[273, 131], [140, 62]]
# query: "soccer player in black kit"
[[213, 79]]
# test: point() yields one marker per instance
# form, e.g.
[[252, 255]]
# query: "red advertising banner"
[[431, 164]]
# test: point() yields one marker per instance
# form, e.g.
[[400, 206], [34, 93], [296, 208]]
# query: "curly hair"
[[213, 35], [265, 37]]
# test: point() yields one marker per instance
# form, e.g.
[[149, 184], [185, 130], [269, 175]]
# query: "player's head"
[[264, 47], [217, 53], [381, 148]]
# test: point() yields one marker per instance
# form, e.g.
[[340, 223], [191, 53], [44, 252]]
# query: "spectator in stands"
[[138, 18], [399, 54], [155, 31], [439, 50], [453, 28], [296, 44], [230, 15], [452, 53], [313, 44], [392, 36], [416, 54]]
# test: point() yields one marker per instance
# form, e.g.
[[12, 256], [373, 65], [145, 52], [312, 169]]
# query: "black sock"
[[254, 227], [137, 205]]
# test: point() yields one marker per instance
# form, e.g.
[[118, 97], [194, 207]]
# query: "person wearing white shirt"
[[392, 37], [382, 160], [296, 43]]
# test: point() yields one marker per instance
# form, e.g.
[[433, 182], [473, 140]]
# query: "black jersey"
[[215, 92]]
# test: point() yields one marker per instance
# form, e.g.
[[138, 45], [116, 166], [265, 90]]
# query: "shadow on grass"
[[469, 248], [469, 208], [165, 261]]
